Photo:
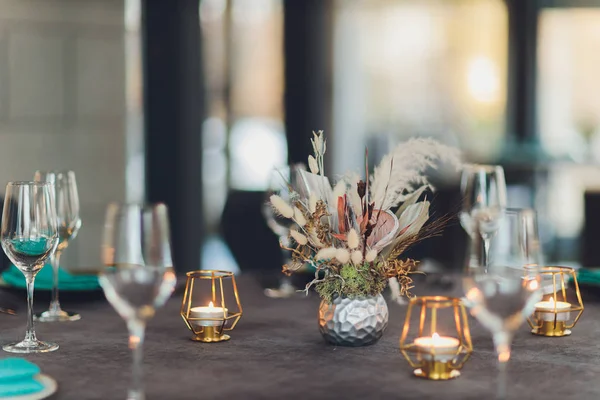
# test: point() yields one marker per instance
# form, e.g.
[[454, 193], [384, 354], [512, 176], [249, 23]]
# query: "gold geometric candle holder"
[[439, 344], [561, 307], [210, 305]]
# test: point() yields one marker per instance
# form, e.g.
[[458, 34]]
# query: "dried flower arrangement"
[[349, 233]]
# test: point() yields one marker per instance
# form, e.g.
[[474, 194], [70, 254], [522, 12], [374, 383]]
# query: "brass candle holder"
[[210, 305], [436, 357], [560, 308]]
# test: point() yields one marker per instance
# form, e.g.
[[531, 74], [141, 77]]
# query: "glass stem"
[[54, 303], [485, 258], [30, 333], [136, 340], [502, 341]]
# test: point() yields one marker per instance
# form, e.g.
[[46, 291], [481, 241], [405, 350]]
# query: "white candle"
[[550, 306], [215, 313], [444, 347]]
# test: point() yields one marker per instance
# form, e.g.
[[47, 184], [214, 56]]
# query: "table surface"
[[276, 352]]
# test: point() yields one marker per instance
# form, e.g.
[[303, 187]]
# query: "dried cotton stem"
[[281, 206], [299, 217], [298, 237]]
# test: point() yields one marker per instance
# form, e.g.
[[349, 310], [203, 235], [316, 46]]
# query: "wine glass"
[[281, 179], [502, 295], [517, 241], [29, 236], [139, 274], [69, 223], [484, 199]]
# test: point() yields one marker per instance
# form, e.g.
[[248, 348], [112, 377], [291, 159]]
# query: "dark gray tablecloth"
[[276, 352]]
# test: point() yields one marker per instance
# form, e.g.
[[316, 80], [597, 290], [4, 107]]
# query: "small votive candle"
[[216, 315], [444, 347], [551, 309]]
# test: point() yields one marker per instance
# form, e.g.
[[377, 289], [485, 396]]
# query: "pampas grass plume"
[[342, 255], [356, 257], [402, 171], [353, 240], [339, 190], [371, 255], [299, 217], [298, 237], [281, 206]]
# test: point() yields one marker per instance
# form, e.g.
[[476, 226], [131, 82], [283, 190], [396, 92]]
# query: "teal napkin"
[[588, 276], [31, 247], [17, 377], [43, 280]]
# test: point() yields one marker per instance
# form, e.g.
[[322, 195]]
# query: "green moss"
[[355, 282]]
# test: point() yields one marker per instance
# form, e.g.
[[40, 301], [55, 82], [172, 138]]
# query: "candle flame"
[[211, 305], [533, 285], [435, 338], [552, 301]]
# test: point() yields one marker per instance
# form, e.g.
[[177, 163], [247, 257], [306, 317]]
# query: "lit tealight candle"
[[216, 315], [550, 306], [447, 346]]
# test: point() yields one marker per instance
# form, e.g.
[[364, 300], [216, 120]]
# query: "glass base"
[[285, 290], [30, 346], [135, 395], [57, 316]]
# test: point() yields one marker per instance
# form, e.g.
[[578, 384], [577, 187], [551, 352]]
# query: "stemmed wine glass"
[[29, 236], [279, 180], [502, 295], [484, 199], [139, 274], [69, 223]]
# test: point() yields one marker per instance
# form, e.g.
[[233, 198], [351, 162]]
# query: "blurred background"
[[194, 103]]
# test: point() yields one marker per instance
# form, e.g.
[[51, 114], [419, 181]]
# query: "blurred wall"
[[63, 103]]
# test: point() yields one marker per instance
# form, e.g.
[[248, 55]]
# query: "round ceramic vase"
[[353, 322]]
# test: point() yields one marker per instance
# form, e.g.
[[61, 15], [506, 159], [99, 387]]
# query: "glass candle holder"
[[210, 305], [561, 305], [438, 342]]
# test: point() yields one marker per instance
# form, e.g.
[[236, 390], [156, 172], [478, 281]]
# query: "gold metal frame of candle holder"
[[430, 368], [557, 328], [211, 334]]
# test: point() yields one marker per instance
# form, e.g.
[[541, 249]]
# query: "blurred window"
[[569, 82], [431, 68], [568, 104], [243, 135]]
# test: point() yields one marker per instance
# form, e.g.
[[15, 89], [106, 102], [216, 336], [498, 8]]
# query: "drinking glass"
[[502, 295], [484, 199], [29, 236], [517, 241], [281, 179], [139, 274], [69, 223]]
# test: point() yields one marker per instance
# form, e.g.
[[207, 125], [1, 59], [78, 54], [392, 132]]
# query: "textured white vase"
[[353, 322]]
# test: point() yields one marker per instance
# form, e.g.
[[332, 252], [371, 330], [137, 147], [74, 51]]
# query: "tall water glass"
[[484, 199], [69, 223], [139, 275], [517, 241], [503, 294], [29, 237]]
